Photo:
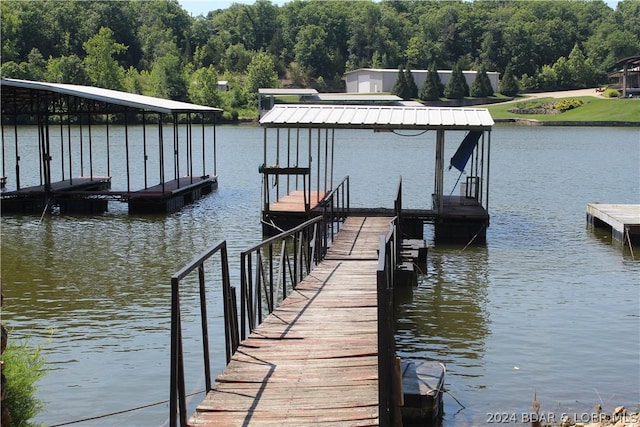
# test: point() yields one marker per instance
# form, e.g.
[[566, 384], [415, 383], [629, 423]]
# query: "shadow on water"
[[605, 238]]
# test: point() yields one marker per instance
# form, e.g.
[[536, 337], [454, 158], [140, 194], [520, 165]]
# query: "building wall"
[[369, 80]]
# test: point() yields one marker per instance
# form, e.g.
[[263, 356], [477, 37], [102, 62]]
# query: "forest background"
[[156, 48]]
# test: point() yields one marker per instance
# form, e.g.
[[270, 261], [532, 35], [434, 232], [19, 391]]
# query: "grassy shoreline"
[[594, 111]]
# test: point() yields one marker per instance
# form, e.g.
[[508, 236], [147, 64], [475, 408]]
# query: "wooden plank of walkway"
[[314, 360]]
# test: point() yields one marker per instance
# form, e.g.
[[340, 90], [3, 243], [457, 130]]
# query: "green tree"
[[66, 69], [546, 78], [102, 69], [412, 88], [261, 72], [36, 65], [456, 87], [9, 32], [481, 85], [508, 84], [582, 70], [376, 28], [203, 87], [260, 16], [14, 70], [310, 50], [161, 28], [432, 88], [415, 51], [236, 58], [167, 79], [563, 73], [135, 81], [400, 85]]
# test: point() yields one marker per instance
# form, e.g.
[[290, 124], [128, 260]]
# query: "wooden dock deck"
[[314, 360], [89, 195], [623, 219], [297, 201]]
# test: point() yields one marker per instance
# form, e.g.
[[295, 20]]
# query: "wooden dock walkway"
[[314, 360]]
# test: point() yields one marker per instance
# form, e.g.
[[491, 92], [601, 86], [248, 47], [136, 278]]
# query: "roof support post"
[[61, 147], [15, 136], [176, 148], [126, 144], [90, 145], [161, 149], [215, 162], [108, 146], [69, 140], [144, 148], [439, 170], [486, 187], [204, 157], [190, 148], [625, 73]]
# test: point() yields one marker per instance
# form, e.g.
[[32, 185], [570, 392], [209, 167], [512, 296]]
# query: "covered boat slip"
[[85, 146], [301, 144]]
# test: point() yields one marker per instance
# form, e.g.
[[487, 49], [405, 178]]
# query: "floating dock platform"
[[171, 196], [622, 219], [69, 196], [91, 195], [423, 388]]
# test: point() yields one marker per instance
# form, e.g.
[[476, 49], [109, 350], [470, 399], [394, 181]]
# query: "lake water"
[[547, 306]]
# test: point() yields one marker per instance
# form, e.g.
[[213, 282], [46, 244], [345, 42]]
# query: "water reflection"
[[98, 301], [446, 319]]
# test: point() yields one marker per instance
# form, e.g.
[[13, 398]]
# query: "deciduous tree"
[[203, 87], [261, 72], [101, 67]]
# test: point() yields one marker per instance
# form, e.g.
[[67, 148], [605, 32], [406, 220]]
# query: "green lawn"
[[593, 110]]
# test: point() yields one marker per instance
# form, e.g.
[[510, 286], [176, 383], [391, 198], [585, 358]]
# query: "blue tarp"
[[464, 151]]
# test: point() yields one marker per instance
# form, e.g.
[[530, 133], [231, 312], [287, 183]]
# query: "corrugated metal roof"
[[282, 91], [376, 117], [358, 97], [132, 100]]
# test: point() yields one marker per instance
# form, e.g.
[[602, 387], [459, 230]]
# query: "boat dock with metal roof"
[[68, 166], [296, 187]]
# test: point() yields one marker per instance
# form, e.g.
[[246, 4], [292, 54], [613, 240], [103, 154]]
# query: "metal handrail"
[[265, 280], [335, 206], [177, 402], [263, 277], [385, 275]]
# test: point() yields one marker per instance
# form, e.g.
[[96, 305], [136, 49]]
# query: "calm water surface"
[[547, 306]]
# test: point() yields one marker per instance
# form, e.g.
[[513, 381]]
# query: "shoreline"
[[535, 122]]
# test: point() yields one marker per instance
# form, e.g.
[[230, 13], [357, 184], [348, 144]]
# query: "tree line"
[[156, 48]]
